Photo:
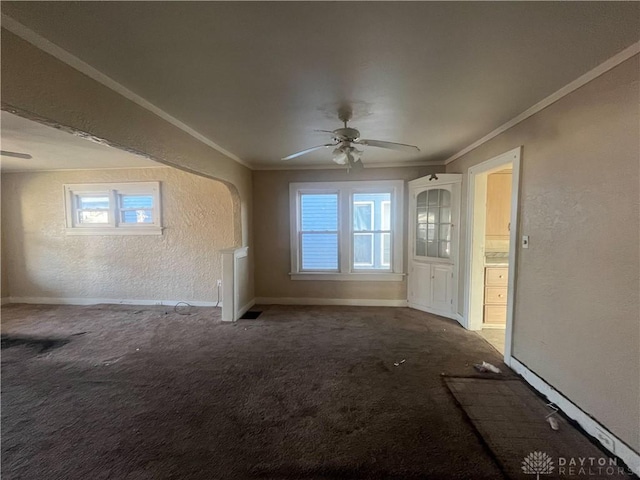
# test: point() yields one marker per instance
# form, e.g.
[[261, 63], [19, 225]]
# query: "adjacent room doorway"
[[492, 221]]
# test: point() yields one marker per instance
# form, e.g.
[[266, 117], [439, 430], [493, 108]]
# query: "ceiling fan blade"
[[5, 153], [324, 131], [390, 145], [308, 150]]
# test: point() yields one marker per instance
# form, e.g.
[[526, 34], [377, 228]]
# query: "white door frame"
[[471, 297]]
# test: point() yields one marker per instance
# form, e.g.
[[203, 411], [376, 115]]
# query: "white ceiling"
[[53, 149], [257, 78]]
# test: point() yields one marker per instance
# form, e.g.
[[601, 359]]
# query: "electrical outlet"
[[219, 283]]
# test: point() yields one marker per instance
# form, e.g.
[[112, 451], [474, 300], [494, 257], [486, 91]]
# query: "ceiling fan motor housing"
[[346, 134]]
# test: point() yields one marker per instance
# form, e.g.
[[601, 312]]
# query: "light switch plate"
[[525, 241]]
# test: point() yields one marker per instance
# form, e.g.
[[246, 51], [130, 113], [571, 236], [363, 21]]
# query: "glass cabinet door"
[[433, 223]]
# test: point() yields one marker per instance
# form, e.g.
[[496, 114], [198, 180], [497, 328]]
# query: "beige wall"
[[38, 86], [182, 264], [577, 309], [272, 246]]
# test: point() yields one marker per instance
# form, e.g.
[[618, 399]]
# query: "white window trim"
[[346, 190], [113, 191], [384, 204]]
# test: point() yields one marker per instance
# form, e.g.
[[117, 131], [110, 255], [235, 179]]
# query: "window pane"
[[432, 249], [445, 198], [136, 201], [421, 232], [445, 232], [136, 216], [93, 216], [363, 249], [93, 202], [445, 215], [362, 216], [434, 215], [319, 251], [433, 197], [421, 201], [421, 248], [422, 216], [445, 250], [431, 232], [319, 212]]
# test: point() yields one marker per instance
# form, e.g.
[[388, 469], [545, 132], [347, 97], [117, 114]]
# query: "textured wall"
[[272, 247], [181, 264], [577, 306], [37, 85]]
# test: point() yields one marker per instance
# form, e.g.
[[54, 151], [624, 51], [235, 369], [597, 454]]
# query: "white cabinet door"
[[434, 212], [441, 291], [420, 285]]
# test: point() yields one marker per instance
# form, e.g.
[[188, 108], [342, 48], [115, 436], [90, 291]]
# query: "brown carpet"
[[130, 393]]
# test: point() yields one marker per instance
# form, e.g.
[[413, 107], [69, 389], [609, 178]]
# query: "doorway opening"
[[492, 221]]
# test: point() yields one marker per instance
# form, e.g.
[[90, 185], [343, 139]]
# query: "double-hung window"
[[113, 208], [346, 230]]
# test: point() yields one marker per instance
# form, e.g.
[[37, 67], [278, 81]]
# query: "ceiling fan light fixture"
[[339, 156]]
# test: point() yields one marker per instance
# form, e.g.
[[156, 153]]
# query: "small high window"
[[113, 208]]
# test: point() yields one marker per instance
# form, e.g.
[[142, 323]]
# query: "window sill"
[[115, 231], [349, 277]]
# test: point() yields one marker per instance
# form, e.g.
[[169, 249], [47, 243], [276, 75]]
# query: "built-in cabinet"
[[498, 211], [497, 248], [495, 295], [434, 206]]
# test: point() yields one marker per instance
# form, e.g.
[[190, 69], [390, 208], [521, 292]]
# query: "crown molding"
[[74, 62], [336, 167], [604, 67]]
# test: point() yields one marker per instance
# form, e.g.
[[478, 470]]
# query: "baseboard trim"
[[246, 307], [111, 301], [5, 300], [598, 431], [357, 302]]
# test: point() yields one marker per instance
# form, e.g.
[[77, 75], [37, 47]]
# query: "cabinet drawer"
[[495, 314], [497, 295], [496, 276]]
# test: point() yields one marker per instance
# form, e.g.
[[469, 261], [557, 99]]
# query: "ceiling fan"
[[346, 139]]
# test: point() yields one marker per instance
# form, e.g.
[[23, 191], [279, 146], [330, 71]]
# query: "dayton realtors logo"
[[537, 463]]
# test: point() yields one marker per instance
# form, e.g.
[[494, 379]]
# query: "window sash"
[[371, 262], [74, 193], [326, 232]]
